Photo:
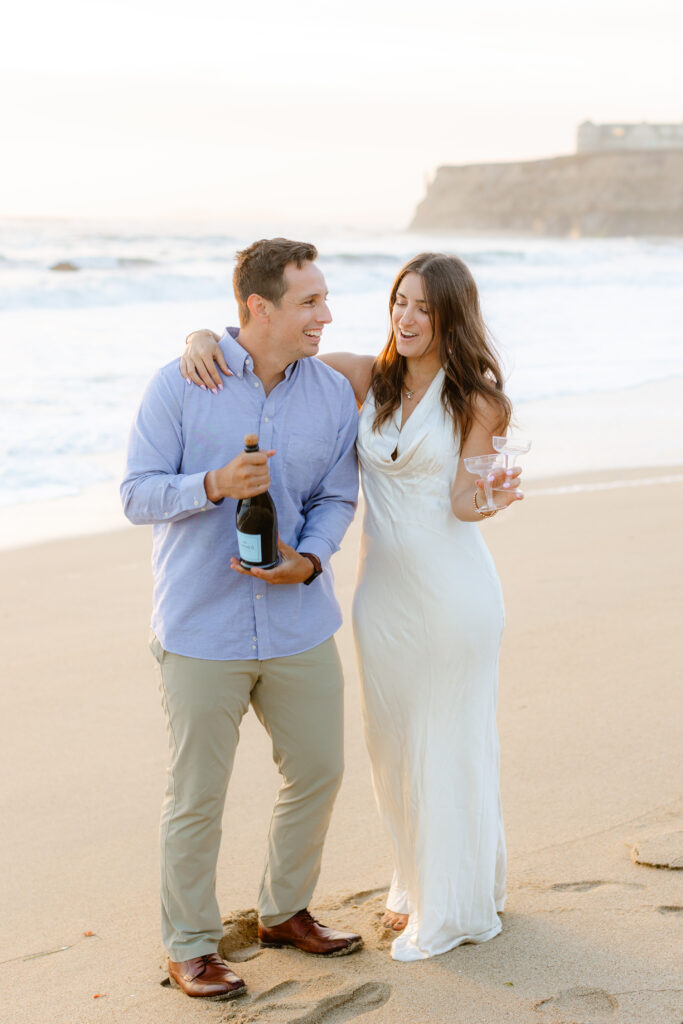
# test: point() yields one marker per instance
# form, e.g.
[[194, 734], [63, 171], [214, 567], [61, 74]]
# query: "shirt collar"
[[235, 356], [238, 358]]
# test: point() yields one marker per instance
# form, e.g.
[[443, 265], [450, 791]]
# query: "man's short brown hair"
[[260, 270]]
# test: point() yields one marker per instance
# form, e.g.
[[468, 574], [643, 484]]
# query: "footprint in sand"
[[293, 1002], [240, 930], [587, 886], [240, 937], [370, 905], [662, 851], [594, 1001], [576, 886], [357, 899]]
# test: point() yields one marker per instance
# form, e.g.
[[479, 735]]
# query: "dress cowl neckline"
[[404, 440]]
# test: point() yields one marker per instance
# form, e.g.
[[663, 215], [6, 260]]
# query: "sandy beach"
[[589, 720]]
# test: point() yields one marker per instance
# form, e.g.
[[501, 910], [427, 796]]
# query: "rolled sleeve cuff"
[[317, 546]]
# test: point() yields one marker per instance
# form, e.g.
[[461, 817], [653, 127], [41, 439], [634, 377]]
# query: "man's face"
[[297, 322]]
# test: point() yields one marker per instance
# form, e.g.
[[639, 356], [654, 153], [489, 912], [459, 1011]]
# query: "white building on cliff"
[[603, 138]]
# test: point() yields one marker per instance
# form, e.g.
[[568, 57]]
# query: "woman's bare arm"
[[487, 423], [357, 370], [202, 353]]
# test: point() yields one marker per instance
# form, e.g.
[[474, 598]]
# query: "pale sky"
[[322, 113]]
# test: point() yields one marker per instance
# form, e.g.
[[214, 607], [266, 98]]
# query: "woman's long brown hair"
[[467, 355]]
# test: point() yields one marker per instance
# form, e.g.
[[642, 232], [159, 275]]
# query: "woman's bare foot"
[[395, 922]]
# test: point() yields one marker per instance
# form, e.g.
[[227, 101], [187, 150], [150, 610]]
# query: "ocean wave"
[[114, 267], [105, 283], [88, 290], [104, 263], [135, 261], [566, 316]]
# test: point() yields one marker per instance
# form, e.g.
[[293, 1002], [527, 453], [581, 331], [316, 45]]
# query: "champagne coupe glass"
[[481, 466], [511, 447]]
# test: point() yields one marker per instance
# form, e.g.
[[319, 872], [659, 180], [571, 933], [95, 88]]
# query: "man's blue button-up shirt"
[[203, 608]]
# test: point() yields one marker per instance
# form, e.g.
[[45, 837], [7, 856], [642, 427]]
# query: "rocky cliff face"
[[590, 194]]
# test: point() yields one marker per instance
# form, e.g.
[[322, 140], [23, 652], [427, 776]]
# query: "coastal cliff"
[[587, 194]]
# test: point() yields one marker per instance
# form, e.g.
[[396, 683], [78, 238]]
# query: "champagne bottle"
[[257, 525]]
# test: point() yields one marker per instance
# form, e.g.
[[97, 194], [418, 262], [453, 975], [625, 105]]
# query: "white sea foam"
[[571, 318]]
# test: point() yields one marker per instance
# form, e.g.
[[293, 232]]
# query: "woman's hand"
[[198, 362], [505, 483]]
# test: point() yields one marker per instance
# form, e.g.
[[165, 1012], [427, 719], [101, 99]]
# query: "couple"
[[428, 611]]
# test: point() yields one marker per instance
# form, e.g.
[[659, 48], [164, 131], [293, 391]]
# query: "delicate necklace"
[[411, 392]]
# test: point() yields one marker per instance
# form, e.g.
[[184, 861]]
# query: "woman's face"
[[409, 317]]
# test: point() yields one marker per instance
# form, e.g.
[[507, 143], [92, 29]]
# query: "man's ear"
[[259, 307]]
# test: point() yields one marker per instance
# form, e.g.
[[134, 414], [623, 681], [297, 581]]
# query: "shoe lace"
[[306, 916], [206, 959]]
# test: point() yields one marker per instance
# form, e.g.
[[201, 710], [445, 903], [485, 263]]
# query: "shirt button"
[[253, 647], [259, 596], [254, 638], [255, 383], [265, 419], [239, 374], [196, 502]]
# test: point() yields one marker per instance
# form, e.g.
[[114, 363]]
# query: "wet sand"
[[589, 722]]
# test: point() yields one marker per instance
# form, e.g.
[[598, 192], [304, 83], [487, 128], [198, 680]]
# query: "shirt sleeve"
[[331, 507], [153, 489]]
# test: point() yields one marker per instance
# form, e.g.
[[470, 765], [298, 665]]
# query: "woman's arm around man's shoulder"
[[356, 368]]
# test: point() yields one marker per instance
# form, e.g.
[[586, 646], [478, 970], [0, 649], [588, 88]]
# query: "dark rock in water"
[[64, 265], [596, 195]]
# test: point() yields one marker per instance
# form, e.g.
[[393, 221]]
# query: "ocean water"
[[570, 319]]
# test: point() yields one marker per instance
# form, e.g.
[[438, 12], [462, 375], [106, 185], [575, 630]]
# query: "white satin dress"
[[428, 617]]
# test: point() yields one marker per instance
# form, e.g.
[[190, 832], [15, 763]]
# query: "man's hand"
[[243, 477], [294, 568]]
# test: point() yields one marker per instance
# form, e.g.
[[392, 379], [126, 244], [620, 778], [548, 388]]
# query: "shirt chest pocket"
[[307, 459]]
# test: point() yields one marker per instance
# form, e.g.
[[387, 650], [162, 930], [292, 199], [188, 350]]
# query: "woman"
[[428, 610]]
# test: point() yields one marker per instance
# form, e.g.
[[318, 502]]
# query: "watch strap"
[[317, 567]]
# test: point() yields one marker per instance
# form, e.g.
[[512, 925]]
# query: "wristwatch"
[[317, 567]]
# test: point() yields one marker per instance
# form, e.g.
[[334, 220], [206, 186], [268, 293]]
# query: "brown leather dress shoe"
[[306, 934], [206, 977]]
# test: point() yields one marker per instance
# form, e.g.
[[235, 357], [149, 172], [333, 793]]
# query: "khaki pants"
[[299, 701]]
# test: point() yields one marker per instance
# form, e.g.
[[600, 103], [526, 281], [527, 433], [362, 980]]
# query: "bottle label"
[[250, 546]]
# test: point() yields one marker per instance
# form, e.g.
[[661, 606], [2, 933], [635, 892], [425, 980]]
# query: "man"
[[223, 637]]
